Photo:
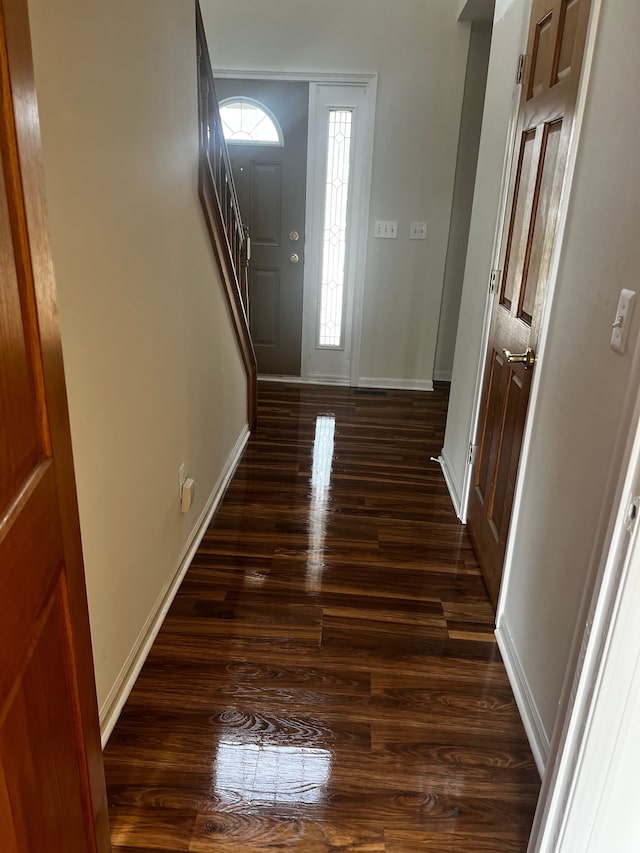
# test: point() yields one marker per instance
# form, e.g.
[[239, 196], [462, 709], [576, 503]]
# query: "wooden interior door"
[[52, 794], [271, 185], [553, 63]]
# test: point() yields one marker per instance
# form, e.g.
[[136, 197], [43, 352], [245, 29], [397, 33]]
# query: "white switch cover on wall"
[[418, 231], [622, 321], [386, 228]]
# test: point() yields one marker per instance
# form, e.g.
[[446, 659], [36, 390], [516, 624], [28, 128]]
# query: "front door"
[[270, 179], [553, 63], [52, 793]]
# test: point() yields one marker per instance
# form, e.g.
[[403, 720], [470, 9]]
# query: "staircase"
[[229, 237]]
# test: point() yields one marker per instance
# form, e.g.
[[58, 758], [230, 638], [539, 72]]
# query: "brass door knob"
[[527, 358], [294, 258]]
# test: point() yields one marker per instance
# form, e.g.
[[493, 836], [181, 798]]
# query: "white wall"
[[582, 409], [154, 376], [419, 51], [468, 149], [499, 101]]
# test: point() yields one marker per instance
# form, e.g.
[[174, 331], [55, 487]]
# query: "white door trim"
[[301, 76], [509, 154], [597, 692], [359, 207]]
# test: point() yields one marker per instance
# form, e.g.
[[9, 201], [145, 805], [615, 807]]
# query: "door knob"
[[294, 236], [527, 358], [294, 258]]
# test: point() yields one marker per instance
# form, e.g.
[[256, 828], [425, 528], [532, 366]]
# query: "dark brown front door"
[[271, 181], [553, 63], [52, 795]]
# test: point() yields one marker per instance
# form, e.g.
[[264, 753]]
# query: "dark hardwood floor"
[[327, 677]]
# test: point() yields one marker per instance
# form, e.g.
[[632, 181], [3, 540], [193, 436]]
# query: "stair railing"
[[229, 237]]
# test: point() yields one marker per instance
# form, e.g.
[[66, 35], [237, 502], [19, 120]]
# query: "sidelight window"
[[334, 243]]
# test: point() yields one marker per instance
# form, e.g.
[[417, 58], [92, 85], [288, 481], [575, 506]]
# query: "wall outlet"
[[386, 228]]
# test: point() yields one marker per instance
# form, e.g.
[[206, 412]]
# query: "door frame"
[[26, 210], [536, 390], [509, 156], [602, 680], [575, 778], [358, 240], [544, 753]]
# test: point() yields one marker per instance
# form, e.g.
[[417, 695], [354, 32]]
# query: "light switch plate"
[[418, 231], [386, 228], [622, 321]]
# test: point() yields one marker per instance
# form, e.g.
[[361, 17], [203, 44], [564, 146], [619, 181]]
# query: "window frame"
[[243, 99]]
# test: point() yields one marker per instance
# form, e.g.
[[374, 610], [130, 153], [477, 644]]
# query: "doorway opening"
[[307, 208]]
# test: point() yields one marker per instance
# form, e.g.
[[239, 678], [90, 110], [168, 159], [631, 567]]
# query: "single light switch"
[[622, 321]]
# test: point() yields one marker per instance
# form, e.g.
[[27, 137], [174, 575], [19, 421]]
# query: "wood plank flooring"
[[327, 677]]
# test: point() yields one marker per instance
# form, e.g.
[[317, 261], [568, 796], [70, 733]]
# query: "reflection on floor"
[[327, 677]]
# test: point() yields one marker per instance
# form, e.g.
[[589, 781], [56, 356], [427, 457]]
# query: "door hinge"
[[493, 280], [473, 449], [520, 72], [631, 515]]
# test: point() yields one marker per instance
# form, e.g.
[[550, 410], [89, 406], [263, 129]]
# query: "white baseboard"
[[123, 686], [302, 380], [442, 375], [396, 384], [364, 382], [455, 492], [538, 738]]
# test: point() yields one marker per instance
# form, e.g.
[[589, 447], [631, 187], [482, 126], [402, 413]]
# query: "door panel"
[[557, 32], [20, 442], [544, 220], [516, 247], [39, 704], [52, 794], [271, 185], [264, 287], [542, 54], [265, 200], [517, 388], [569, 32]]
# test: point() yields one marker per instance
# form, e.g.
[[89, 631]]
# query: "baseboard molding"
[[442, 375], [119, 694], [396, 384], [302, 380], [538, 738], [455, 492], [364, 382]]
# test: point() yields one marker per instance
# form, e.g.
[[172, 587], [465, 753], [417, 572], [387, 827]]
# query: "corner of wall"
[[119, 693]]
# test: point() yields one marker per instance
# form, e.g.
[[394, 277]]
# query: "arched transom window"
[[247, 121]]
